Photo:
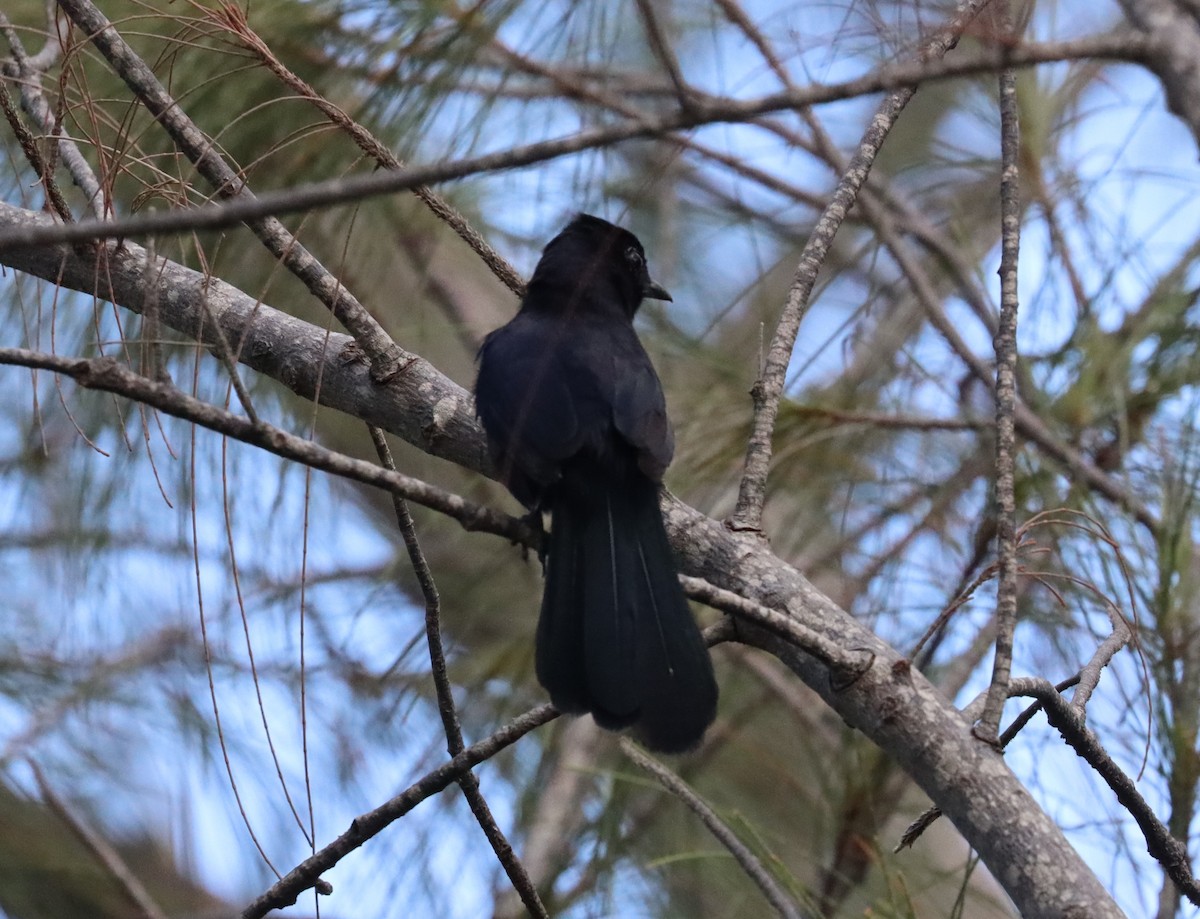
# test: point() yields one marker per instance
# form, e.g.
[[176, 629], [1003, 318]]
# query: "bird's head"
[[592, 263]]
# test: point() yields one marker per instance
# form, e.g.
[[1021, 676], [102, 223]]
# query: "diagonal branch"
[[420, 405], [768, 390], [384, 354], [1165, 848], [890, 703], [105, 374], [703, 111], [468, 781], [33, 155], [108, 857], [749, 862], [307, 874]]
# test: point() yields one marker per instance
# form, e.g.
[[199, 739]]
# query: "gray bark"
[[892, 705]]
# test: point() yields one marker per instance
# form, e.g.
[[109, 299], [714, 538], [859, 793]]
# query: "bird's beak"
[[655, 291]]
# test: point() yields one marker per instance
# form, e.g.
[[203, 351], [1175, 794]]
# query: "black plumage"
[[577, 426]]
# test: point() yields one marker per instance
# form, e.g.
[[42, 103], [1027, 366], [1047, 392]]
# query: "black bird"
[[577, 426]]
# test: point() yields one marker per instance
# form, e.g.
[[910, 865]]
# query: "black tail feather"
[[616, 637]]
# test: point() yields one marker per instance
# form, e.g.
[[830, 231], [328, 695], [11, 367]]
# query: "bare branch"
[[308, 873], [749, 862], [33, 155], [445, 696], [106, 374], [1120, 47], [106, 855], [1165, 848], [224, 353], [383, 353], [768, 389], [988, 728], [847, 664], [420, 405]]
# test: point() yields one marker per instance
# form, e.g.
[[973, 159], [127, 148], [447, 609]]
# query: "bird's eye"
[[633, 256]]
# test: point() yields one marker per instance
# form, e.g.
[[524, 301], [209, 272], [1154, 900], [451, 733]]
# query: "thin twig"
[[950, 609], [748, 861], [108, 857], [1162, 846], [287, 889], [220, 343], [234, 18], [768, 389], [988, 727], [382, 352], [29, 146], [153, 364], [565, 776], [1122, 632], [108, 375], [468, 781], [251, 658], [848, 663], [1117, 47]]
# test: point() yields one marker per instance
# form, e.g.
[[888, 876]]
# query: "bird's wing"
[[534, 400], [639, 408], [547, 389]]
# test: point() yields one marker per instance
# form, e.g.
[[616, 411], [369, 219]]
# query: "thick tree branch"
[[890, 703], [420, 405]]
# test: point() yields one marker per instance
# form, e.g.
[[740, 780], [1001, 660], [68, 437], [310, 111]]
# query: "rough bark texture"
[[892, 705], [1173, 28]]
